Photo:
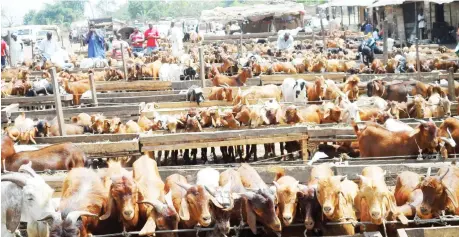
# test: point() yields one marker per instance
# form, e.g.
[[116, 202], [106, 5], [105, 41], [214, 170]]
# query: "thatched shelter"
[[259, 17]]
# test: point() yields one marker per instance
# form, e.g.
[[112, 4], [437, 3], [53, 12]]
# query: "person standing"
[[421, 24], [48, 47], [137, 40], [176, 39], [116, 48], [16, 51], [152, 36], [95, 42], [368, 28], [4, 49]]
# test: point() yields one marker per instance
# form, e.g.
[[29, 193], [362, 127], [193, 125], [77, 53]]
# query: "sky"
[[18, 8]]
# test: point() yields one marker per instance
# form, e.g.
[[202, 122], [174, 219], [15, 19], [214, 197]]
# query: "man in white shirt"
[[421, 24], [61, 58], [48, 47], [285, 42]]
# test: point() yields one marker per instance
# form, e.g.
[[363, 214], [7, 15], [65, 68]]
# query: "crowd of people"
[[98, 47]]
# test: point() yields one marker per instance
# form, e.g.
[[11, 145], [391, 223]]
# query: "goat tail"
[[278, 170], [356, 128]]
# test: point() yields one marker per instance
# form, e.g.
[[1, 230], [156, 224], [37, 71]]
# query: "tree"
[[105, 8], [29, 17], [57, 13], [7, 18]]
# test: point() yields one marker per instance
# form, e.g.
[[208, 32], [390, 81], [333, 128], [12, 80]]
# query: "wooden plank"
[[139, 99], [6, 112], [115, 110], [22, 100], [221, 135], [109, 147], [279, 78], [444, 231], [133, 85], [85, 138], [136, 93]]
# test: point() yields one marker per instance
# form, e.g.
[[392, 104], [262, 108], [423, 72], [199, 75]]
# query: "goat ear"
[[251, 218], [184, 213], [414, 132], [13, 214], [111, 203], [452, 196]]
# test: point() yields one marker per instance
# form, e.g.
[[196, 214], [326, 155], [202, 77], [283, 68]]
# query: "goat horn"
[[421, 121], [27, 168], [158, 205], [184, 186], [210, 190], [74, 215], [16, 178], [447, 171]]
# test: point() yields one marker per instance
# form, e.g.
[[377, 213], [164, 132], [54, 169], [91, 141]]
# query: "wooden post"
[[57, 100], [304, 149], [201, 71], [31, 44], [451, 87], [349, 18], [9, 52], [124, 63], [385, 48], [92, 84], [342, 19], [418, 65], [313, 37], [323, 32]]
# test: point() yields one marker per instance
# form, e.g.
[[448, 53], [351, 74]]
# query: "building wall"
[[451, 11]]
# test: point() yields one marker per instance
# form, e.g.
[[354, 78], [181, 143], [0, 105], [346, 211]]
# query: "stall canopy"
[[348, 3], [380, 3], [253, 13]]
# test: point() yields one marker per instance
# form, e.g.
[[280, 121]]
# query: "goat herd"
[[112, 199]]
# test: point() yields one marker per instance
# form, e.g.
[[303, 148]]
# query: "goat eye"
[[30, 199]]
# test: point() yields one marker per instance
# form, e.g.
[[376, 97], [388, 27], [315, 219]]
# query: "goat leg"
[[186, 156], [224, 151], [175, 157], [194, 153], [254, 151], [214, 156], [231, 153], [204, 155]]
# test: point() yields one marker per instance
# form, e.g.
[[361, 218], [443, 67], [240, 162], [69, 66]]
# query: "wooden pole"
[[92, 84], [323, 31], [9, 53], [124, 63], [304, 149], [342, 19], [349, 17], [57, 101], [313, 37], [451, 87], [31, 44], [201, 71], [385, 47], [418, 65]]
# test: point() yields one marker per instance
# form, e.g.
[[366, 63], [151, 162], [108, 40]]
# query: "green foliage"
[[155, 10], [29, 17], [59, 13]]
